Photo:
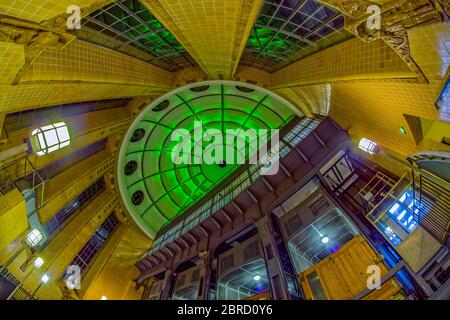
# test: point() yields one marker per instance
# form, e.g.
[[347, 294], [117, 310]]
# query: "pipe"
[[14, 151]]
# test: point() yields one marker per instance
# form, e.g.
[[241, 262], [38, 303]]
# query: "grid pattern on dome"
[[288, 30], [154, 188], [129, 27]]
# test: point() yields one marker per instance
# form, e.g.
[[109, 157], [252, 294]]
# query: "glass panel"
[[63, 134], [51, 138], [54, 148], [42, 141], [316, 286]]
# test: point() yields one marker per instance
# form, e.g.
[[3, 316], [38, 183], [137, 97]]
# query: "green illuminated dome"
[[154, 189]]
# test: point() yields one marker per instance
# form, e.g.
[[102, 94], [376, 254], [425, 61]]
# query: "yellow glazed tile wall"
[[115, 280], [430, 48], [60, 252], [308, 99], [351, 60], [214, 32], [39, 10], [30, 96], [188, 75], [98, 264], [62, 188], [13, 217], [82, 61], [374, 109], [79, 124], [12, 58], [260, 77], [82, 141]]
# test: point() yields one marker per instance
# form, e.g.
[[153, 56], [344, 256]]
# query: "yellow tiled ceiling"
[[351, 60], [82, 61], [366, 86], [260, 77], [12, 58], [189, 75], [29, 96], [108, 41], [39, 10], [309, 99], [214, 32]]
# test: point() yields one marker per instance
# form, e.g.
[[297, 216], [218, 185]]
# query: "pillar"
[[275, 272], [205, 277]]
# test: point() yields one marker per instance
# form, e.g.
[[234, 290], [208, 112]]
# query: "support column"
[[275, 272], [148, 284], [205, 277], [168, 277]]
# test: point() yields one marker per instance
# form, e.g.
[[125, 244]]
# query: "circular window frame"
[[130, 171], [137, 195], [138, 137], [199, 89], [163, 105], [245, 89]]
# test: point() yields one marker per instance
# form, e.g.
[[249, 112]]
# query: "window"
[[58, 221], [368, 146], [443, 102], [93, 246], [51, 138]]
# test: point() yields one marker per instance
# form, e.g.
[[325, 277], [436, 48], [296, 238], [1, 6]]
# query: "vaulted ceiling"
[[316, 54]]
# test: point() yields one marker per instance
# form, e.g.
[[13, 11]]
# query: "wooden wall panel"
[[343, 274]]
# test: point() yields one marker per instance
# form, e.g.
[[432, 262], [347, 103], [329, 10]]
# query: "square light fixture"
[[34, 237], [45, 278], [38, 262]]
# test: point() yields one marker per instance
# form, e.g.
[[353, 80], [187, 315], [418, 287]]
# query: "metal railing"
[[430, 205], [8, 279], [21, 174], [433, 204]]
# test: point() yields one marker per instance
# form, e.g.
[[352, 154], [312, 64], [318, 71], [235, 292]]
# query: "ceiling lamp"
[[256, 277], [38, 262], [325, 239], [45, 278], [368, 146]]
